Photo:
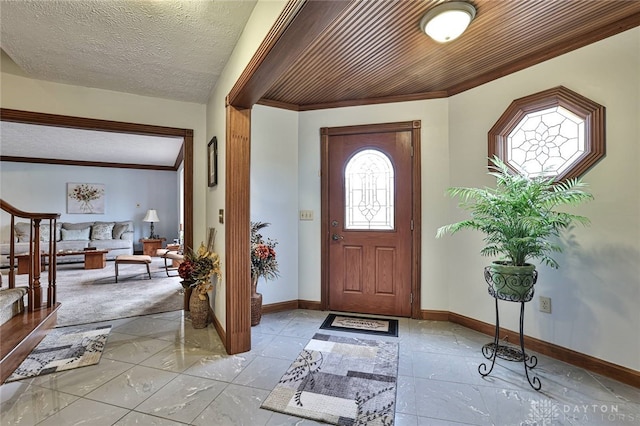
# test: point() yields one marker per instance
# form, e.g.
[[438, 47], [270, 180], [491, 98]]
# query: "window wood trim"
[[591, 112]]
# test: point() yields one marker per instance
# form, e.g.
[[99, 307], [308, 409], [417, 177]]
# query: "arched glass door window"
[[369, 191]]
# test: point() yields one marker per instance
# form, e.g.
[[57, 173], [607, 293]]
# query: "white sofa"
[[117, 237]]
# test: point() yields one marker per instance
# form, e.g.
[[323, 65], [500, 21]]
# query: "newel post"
[[35, 289]]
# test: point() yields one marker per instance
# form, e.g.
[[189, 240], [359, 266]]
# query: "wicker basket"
[[256, 308], [199, 310]]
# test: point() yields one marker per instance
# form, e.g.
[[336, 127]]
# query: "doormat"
[[341, 381], [63, 350], [379, 326]]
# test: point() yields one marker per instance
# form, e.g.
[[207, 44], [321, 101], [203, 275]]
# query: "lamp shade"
[[447, 21], [151, 216]]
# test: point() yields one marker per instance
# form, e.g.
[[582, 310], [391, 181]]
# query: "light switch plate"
[[306, 214]]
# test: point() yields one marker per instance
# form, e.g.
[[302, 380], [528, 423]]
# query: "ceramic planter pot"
[[512, 282]]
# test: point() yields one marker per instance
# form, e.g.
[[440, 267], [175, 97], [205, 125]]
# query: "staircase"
[[22, 329]]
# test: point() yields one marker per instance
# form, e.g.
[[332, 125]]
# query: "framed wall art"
[[85, 198], [212, 155]]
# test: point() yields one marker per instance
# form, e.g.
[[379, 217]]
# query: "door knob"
[[336, 237]]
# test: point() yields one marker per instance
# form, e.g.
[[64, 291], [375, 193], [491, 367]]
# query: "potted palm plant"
[[520, 223]]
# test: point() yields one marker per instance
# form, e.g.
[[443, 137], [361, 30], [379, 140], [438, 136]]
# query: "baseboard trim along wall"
[[280, 306], [219, 329], [596, 365]]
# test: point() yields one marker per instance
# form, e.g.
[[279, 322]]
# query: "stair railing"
[[35, 255]]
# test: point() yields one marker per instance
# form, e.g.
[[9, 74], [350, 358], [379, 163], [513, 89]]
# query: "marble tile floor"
[[158, 370]]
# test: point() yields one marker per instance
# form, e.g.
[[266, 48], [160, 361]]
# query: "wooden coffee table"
[[93, 259]]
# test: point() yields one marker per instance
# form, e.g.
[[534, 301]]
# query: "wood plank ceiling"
[[375, 52]]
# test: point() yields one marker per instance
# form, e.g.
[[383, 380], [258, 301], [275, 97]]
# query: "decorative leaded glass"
[[546, 143], [555, 133], [369, 191]]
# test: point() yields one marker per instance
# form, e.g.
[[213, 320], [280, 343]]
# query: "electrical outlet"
[[545, 304], [306, 214]]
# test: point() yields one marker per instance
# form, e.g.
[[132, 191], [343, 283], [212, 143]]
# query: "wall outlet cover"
[[545, 304]]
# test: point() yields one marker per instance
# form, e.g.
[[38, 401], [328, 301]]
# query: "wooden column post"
[[237, 238]]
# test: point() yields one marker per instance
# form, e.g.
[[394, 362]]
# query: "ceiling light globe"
[[447, 21]]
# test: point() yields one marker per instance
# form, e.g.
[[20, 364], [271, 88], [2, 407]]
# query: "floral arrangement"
[[85, 194], [198, 268], [263, 254]]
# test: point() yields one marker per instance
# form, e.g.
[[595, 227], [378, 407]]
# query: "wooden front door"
[[369, 213]]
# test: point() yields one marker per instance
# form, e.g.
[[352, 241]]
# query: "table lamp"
[[151, 216]]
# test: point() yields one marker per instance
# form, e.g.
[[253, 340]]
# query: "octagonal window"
[[556, 133], [546, 143]]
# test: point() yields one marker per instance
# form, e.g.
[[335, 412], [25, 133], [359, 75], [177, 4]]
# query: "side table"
[[151, 245]]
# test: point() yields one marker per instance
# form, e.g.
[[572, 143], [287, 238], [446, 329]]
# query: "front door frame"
[[325, 132]]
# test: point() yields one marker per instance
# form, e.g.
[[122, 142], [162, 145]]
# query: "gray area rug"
[[63, 349], [340, 380], [93, 295]]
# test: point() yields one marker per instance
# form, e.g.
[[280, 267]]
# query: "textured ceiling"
[[170, 49], [61, 143]]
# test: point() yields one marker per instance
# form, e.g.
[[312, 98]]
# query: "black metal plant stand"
[[509, 353]]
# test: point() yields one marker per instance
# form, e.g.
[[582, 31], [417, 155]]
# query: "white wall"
[[435, 172], [274, 194], [43, 188], [262, 18], [17, 92], [596, 292]]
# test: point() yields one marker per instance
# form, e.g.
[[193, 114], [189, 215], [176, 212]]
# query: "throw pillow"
[[76, 226], [75, 234], [21, 231], [44, 232], [101, 231], [120, 228]]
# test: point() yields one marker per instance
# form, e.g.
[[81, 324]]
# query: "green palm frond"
[[518, 216]]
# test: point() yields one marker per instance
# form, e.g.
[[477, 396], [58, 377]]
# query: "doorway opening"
[[186, 154]]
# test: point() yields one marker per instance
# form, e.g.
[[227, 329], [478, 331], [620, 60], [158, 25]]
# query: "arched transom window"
[[369, 191], [555, 133]]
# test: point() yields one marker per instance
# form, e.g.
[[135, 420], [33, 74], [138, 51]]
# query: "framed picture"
[[85, 198], [212, 155]]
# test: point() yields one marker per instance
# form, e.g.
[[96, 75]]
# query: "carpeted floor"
[[63, 349], [340, 380], [93, 295]]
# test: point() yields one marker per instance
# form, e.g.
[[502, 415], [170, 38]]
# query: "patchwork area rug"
[[341, 381], [379, 326], [63, 350]]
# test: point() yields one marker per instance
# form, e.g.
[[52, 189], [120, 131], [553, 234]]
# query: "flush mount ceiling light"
[[447, 21]]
